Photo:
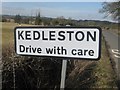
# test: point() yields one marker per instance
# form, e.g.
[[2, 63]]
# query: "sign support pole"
[[63, 74]]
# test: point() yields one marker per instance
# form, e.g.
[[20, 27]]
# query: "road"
[[113, 41]]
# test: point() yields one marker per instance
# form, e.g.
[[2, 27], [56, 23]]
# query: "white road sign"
[[66, 42]]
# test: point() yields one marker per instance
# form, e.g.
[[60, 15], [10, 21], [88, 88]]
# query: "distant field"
[[8, 32]]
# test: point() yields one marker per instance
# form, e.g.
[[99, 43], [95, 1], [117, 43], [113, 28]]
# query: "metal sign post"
[[63, 74]]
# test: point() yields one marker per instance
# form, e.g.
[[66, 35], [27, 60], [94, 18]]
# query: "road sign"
[[64, 42]]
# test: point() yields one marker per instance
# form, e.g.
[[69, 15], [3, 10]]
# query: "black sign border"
[[60, 57]]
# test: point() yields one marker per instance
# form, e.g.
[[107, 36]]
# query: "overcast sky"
[[74, 10]]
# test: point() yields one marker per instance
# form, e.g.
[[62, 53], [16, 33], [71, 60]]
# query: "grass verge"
[[81, 73], [93, 74], [106, 77]]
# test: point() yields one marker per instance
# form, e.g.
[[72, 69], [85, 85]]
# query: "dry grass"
[[93, 74], [106, 77], [36, 72], [8, 32], [29, 72]]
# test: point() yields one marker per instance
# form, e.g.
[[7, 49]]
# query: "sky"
[[74, 10]]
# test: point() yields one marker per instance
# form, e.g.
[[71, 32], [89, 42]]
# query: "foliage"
[[29, 72], [38, 19], [93, 75], [34, 73], [4, 20], [111, 9], [46, 21], [25, 20], [18, 19], [55, 22]]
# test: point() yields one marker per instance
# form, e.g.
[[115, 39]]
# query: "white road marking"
[[117, 56], [116, 53]]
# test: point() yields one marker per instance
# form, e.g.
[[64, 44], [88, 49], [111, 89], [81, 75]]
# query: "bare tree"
[[111, 9], [18, 19], [38, 19]]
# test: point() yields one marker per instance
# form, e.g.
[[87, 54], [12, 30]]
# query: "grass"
[[8, 32], [93, 74], [106, 77], [30, 72], [116, 31], [80, 73]]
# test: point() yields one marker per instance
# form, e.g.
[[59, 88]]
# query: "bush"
[[4, 20], [29, 72]]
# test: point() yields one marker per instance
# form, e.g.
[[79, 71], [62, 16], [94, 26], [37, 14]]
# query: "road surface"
[[113, 41]]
